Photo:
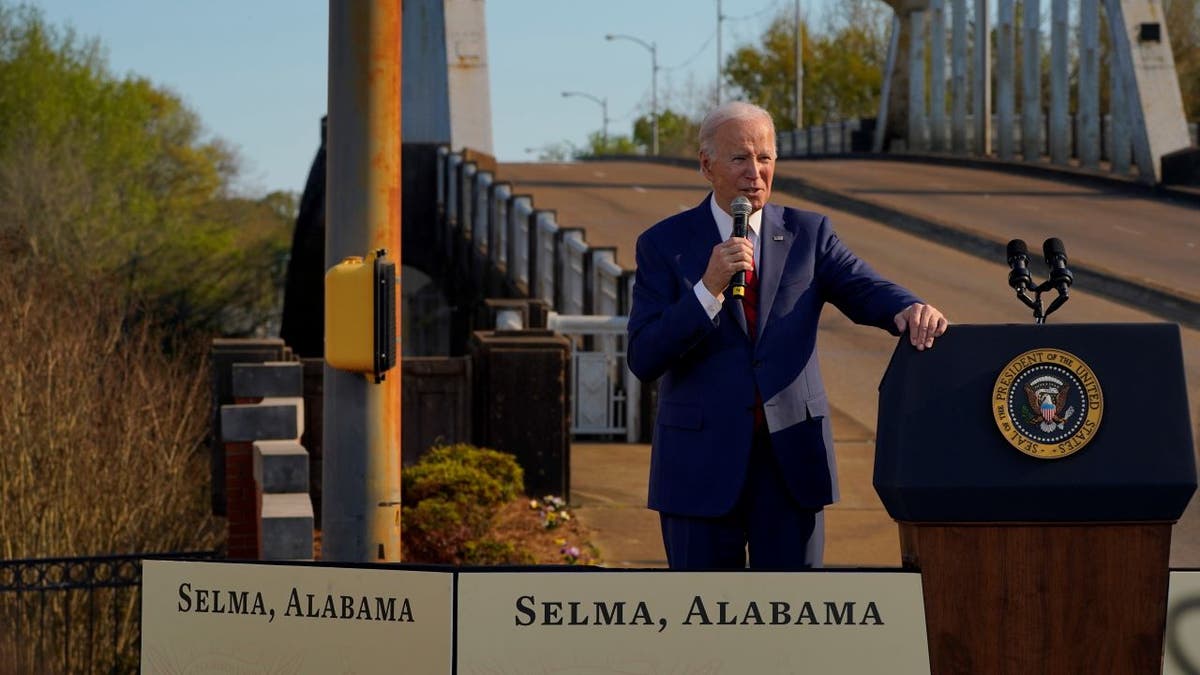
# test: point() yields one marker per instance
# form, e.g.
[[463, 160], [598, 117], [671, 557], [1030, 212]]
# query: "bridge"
[[939, 228], [929, 192], [928, 201], [941, 231]]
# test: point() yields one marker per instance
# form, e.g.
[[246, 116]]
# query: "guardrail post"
[[520, 209], [569, 270], [542, 229], [498, 199]]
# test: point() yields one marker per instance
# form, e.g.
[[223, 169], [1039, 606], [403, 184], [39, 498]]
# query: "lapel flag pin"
[[777, 237]]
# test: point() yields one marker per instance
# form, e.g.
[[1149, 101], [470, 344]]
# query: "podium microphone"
[[1056, 259], [1060, 277], [1018, 259], [1021, 280], [740, 208]]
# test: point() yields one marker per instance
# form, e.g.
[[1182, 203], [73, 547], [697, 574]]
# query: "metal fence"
[[492, 229], [74, 615]]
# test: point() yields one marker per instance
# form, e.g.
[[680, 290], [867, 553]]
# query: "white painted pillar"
[[982, 79], [1120, 144], [1005, 66], [1059, 145], [1141, 42], [1031, 82], [958, 78], [937, 75], [1088, 115], [885, 96], [916, 83]]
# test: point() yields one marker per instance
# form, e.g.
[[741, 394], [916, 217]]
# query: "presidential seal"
[[1047, 403]]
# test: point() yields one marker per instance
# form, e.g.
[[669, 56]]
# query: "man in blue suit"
[[742, 459]]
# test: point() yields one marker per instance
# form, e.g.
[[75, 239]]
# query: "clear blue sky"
[[254, 70]]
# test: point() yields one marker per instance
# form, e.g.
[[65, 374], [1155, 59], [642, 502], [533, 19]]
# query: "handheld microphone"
[[740, 208], [1018, 259], [1056, 259]]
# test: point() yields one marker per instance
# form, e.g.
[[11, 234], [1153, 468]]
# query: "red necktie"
[[750, 302], [750, 308]]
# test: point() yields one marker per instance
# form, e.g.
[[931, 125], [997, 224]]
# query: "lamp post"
[[653, 81], [799, 106], [603, 111]]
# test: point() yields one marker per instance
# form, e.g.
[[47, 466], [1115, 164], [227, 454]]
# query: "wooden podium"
[[1051, 558]]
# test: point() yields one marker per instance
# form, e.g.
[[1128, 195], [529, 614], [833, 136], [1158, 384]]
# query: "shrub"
[[101, 452], [436, 530], [450, 481], [449, 499], [499, 465], [493, 552]]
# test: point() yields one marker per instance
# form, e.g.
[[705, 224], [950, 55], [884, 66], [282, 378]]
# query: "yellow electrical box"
[[360, 315]]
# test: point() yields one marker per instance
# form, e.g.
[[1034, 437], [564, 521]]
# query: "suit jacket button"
[[756, 363]]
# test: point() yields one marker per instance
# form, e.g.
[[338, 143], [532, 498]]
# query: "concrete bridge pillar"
[[1148, 122]]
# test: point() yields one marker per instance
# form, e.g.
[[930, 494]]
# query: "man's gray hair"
[[726, 112]]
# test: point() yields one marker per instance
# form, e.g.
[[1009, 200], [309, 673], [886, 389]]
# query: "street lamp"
[[653, 81], [603, 111]]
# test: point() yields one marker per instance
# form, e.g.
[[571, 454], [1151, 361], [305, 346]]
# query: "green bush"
[[452, 482], [449, 500], [436, 530], [499, 465], [492, 552]]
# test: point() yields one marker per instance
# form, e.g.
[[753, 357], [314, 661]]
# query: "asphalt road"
[[616, 201], [1152, 241]]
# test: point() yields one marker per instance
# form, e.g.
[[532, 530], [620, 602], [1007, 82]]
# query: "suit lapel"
[[775, 240]]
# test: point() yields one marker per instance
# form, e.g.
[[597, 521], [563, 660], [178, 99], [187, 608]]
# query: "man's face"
[[742, 162]]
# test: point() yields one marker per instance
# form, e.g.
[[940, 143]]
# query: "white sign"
[[205, 617], [1183, 625], [643, 623]]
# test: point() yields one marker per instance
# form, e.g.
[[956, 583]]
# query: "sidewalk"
[[608, 488]]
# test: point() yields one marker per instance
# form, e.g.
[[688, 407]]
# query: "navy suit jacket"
[[710, 370]]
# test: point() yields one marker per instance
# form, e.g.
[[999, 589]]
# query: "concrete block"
[[281, 466], [272, 419], [287, 527], [266, 380]]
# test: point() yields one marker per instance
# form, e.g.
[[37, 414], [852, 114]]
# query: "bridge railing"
[[497, 233], [853, 136]]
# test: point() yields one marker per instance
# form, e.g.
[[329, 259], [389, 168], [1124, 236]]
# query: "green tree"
[[1183, 29], [677, 134], [843, 65], [112, 177], [613, 145]]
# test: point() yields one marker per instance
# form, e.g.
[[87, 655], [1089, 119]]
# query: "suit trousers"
[[766, 523]]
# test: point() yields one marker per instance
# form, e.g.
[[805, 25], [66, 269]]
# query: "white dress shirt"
[[711, 304]]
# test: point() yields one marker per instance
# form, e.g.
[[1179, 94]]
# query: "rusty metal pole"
[[361, 469]]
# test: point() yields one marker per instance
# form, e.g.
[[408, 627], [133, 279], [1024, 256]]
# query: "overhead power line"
[[694, 56], [774, 6]]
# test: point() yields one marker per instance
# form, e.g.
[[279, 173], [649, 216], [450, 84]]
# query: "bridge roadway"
[[615, 201]]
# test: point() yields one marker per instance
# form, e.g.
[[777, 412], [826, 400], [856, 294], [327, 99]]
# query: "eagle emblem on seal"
[[1047, 396], [1047, 403]]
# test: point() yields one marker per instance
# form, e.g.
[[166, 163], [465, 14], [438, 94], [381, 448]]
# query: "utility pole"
[[653, 49], [603, 103], [799, 70], [719, 19], [361, 472]]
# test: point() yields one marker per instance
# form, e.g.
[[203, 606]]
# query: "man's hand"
[[729, 256], [923, 323]]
